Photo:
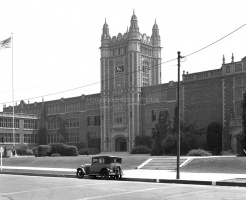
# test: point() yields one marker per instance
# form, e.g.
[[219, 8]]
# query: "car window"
[[101, 160], [94, 160]]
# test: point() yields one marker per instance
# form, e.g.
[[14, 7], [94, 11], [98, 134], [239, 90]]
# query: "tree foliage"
[[143, 140], [62, 130], [42, 132], [243, 137], [214, 138], [163, 128]]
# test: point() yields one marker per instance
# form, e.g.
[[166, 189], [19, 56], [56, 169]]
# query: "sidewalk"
[[162, 176]]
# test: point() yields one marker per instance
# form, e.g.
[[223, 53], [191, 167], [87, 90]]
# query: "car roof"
[[106, 157]]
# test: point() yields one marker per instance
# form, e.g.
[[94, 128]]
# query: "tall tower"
[[128, 62]]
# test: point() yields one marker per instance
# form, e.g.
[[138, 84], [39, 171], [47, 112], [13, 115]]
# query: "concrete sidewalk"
[[162, 176]]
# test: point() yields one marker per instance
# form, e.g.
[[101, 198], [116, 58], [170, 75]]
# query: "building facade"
[[132, 96]]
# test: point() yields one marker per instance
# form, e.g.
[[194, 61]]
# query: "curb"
[[174, 181]]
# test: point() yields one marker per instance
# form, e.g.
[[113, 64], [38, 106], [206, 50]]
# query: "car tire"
[[118, 173], [80, 174], [104, 174]]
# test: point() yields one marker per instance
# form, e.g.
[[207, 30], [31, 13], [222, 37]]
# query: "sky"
[[56, 42]]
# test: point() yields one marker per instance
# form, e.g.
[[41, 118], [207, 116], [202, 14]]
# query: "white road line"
[[122, 193], [26, 191]]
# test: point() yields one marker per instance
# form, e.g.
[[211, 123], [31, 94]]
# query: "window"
[[30, 124], [30, 138], [53, 138], [73, 137], [93, 121], [53, 125], [145, 73], [239, 88], [8, 138], [8, 123], [119, 117], [119, 67], [54, 109], [72, 123], [72, 107], [93, 134], [151, 115]]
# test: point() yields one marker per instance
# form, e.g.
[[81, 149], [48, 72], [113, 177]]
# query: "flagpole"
[[13, 91]]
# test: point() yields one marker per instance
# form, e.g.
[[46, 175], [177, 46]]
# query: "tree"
[[163, 128], [42, 132], [214, 138], [186, 137], [62, 130], [243, 136]]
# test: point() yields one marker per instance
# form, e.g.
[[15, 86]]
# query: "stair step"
[[163, 164]]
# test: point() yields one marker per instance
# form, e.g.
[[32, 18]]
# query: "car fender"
[[80, 168]]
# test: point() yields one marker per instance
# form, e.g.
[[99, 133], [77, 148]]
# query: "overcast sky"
[[56, 42]]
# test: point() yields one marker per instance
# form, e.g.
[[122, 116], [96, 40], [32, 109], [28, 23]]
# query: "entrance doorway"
[[120, 144]]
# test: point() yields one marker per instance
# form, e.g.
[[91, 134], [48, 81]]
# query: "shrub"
[[43, 150], [56, 148], [156, 150], [29, 152], [55, 155], [140, 150], [63, 149], [198, 152], [21, 150], [89, 151], [70, 150]]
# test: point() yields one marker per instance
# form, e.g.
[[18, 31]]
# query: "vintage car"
[[103, 166]]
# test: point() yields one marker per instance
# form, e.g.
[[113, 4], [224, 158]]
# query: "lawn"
[[128, 161], [233, 165]]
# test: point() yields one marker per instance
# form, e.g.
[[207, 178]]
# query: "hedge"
[[141, 149], [43, 150], [198, 152], [89, 151]]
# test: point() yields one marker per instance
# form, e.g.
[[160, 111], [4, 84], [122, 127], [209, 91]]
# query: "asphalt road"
[[16, 187]]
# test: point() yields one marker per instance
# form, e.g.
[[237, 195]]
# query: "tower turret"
[[105, 39], [134, 23], [155, 37], [105, 31]]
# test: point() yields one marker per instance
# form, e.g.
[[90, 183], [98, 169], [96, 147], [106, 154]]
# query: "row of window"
[[30, 124], [152, 115], [93, 134], [8, 123], [146, 51], [72, 138], [8, 138]]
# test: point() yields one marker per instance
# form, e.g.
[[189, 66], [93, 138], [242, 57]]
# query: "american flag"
[[5, 43]]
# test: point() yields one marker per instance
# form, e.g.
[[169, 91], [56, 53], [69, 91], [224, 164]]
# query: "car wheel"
[[118, 173], [80, 173], [104, 174], [92, 176]]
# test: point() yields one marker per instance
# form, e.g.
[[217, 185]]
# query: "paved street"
[[28, 188]]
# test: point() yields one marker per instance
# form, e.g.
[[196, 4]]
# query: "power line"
[[133, 71]]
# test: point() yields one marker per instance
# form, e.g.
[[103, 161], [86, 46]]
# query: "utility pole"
[[178, 128]]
